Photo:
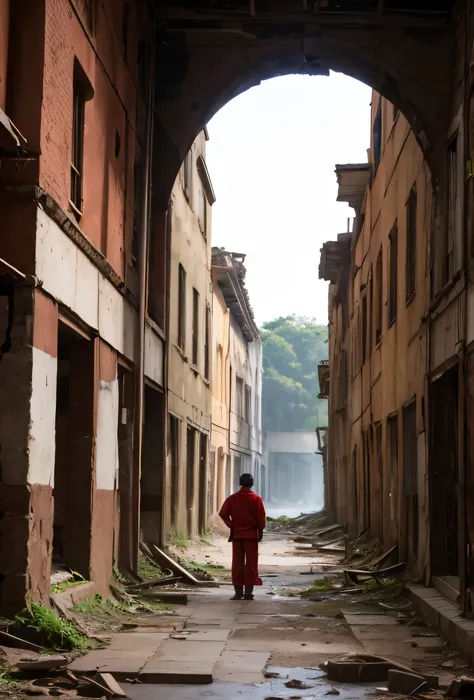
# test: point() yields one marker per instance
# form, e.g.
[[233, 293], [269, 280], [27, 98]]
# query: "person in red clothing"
[[244, 514]]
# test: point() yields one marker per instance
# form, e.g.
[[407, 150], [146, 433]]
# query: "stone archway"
[[204, 60]]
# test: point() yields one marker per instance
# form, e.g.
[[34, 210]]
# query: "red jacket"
[[244, 513]]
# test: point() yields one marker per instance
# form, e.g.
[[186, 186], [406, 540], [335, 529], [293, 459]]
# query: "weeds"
[[177, 541], [207, 568], [76, 580], [148, 571], [320, 585], [118, 575], [54, 631]]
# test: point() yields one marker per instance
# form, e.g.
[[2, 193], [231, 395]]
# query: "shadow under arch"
[[197, 73]]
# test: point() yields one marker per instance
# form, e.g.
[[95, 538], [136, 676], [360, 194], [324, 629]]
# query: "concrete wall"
[[189, 393]]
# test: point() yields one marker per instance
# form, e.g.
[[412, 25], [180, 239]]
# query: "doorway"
[[74, 450], [151, 496], [190, 464], [126, 547], [444, 478], [203, 483]]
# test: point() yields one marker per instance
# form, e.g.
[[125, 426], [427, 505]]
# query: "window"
[[410, 265], [77, 148], [182, 307], [187, 164], [364, 329], [393, 281], [377, 137], [219, 393], [450, 266], [174, 466], [379, 298], [239, 396], [195, 327], [203, 212], [207, 344], [248, 403]]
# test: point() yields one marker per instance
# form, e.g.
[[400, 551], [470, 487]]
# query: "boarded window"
[[377, 137], [195, 327], [174, 466], [181, 307], [393, 275], [239, 396], [378, 298], [410, 266]]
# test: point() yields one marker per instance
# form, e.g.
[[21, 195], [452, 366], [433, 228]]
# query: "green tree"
[[292, 348]]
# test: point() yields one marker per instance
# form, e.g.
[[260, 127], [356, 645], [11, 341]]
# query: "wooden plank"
[[166, 562]]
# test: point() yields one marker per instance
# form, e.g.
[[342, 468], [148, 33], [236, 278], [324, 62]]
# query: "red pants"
[[245, 563]]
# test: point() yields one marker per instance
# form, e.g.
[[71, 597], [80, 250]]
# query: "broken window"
[[379, 298], [239, 396], [182, 307], [195, 327], [393, 278], [377, 137], [410, 266]]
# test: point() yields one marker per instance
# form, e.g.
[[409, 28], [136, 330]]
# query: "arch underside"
[[199, 71]]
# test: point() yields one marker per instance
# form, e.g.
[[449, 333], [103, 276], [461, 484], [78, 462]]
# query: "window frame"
[[410, 244], [181, 334], [195, 346], [393, 275]]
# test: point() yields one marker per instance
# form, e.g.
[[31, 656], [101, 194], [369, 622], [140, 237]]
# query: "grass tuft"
[[54, 631]]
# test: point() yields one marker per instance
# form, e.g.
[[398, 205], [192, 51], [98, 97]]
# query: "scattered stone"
[[42, 662], [333, 691], [462, 687], [298, 685], [448, 664], [270, 674], [405, 683]]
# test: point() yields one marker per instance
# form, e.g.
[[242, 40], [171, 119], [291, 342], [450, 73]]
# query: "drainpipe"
[[144, 234]]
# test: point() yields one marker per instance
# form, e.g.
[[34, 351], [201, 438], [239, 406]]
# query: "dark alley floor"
[[267, 648]]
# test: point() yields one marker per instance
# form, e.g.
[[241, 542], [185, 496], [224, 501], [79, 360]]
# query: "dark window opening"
[[410, 269], [379, 298], [248, 403], [410, 477], [195, 327], [364, 329], [377, 137], [182, 307], [449, 264], [393, 278], [207, 344], [118, 144], [77, 151], [239, 396]]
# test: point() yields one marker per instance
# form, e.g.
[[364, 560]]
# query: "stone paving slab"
[[122, 664], [383, 620], [215, 634], [137, 641]]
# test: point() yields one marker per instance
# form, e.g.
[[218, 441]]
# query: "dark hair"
[[246, 480]]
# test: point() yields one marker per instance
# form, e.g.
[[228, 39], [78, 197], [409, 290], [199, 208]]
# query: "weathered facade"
[[399, 437], [189, 347], [237, 393]]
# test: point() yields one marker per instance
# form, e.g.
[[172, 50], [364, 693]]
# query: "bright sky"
[[271, 158]]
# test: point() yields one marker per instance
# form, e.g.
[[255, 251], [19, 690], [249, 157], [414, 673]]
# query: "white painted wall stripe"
[[42, 433]]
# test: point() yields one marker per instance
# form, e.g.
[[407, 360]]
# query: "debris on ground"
[[462, 687], [299, 685]]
